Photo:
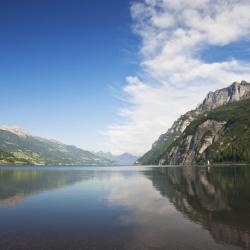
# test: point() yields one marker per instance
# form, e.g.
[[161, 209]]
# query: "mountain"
[[123, 159], [18, 147], [217, 131]]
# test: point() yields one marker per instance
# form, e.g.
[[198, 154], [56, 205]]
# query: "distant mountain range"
[[123, 159], [218, 131], [18, 147]]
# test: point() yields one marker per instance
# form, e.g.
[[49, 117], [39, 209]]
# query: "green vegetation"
[[162, 145], [234, 146], [11, 159], [152, 157], [29, 150]]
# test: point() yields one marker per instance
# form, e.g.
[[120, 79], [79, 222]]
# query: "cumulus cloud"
[[174, 76]]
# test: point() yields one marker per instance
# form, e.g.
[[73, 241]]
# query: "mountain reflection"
[[17, 184], [125, 208], [218, 198]]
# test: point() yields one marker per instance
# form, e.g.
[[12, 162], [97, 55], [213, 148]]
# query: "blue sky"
[[114, 75], [59, 61]]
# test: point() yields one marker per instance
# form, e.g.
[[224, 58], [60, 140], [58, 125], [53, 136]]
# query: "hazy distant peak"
[[123, 159], [15, 130]]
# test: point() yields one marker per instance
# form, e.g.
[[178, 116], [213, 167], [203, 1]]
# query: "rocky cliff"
[[235, 92], [180, 145]]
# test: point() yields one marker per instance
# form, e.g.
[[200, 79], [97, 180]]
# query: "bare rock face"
[[177, 129], [193, 146], [234, 92], [15, 130]]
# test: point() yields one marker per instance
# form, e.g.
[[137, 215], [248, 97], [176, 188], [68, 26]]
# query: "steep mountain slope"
[[123, 159], [18, 147], [183, 145]]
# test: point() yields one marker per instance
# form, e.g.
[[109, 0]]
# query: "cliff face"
[[175, 147], [235, 92], [191, 147], [154, 156]]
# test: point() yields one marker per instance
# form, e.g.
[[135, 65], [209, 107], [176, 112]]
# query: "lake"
[[120, 208]]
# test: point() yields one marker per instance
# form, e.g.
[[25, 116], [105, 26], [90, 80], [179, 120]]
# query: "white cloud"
[[174, 78]]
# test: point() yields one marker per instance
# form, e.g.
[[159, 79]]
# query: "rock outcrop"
[[233, 93], [169, 149], [15, 130], [192, 147]]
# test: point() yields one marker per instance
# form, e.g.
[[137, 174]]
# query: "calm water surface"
[[125, 208]]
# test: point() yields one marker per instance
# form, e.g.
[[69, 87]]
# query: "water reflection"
[[17, 184], [125, 208], [218, 198], [156, 222]]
